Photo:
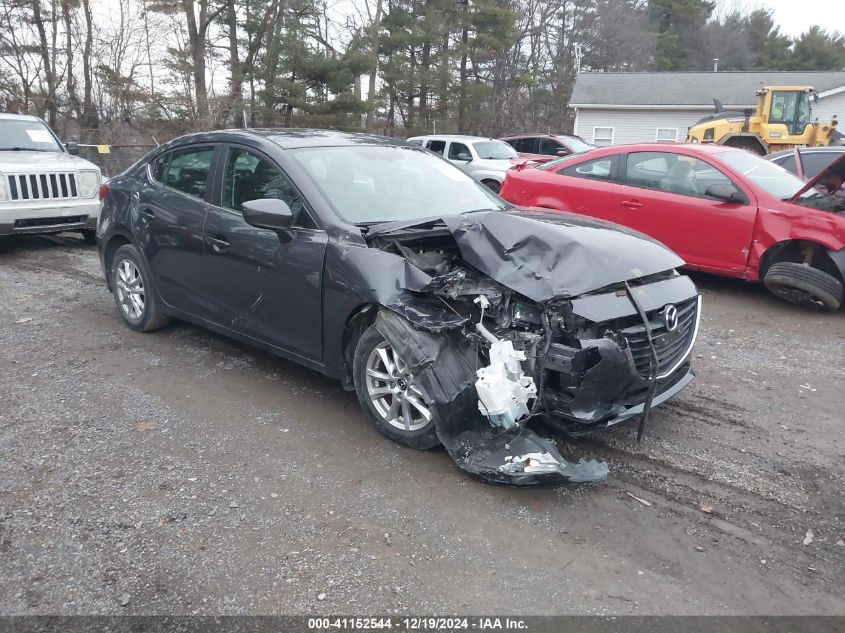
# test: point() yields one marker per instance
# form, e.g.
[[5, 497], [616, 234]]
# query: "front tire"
[[804, 285], [133, 293], [391, 397]]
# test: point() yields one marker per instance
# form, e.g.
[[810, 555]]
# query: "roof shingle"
[[690, 88]]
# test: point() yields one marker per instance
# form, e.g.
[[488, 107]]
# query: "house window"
[[602, 136], [666, 134]]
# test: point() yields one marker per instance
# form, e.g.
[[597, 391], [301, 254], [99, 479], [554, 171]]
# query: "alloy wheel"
[[393, 391], [130, 289]]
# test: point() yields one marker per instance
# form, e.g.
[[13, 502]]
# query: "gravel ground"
[[181, 473]]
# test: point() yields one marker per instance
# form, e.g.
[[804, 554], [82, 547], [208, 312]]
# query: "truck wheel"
[[746, 143], [804, 285], [390, 396]]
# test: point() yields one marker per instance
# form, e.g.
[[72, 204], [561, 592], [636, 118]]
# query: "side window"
[[416, 141], [188, 171], [648, 169], [673, 173], [525, 145], [517, 144], [814, 162], [250, 177], [459, 151], [550, 147], [788, 162], [158, 169], [599, 169], [438, 147]]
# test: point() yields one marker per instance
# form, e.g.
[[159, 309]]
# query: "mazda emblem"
[[670, 317]]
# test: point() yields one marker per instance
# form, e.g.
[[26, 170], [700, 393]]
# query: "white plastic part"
[[503, 389]]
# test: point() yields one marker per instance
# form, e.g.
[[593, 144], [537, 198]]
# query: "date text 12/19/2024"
[[417, 623]]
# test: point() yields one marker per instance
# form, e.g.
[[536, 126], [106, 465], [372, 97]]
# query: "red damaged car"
[[723, 210]]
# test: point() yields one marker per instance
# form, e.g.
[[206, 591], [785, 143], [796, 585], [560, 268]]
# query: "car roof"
[[451, 137], [539, 135], [680, 148], [293, 138], [10, 116], [832, 149]]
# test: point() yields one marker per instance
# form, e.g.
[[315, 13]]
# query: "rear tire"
[[134, 295], [804, 285], [389, 394]]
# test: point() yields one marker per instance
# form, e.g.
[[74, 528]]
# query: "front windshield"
[[576, 144], [371, 184], [495, 150], [771, 178], [26, 136]]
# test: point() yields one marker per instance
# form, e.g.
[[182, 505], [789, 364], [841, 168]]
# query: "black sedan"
[[807, 162], [455, 317]]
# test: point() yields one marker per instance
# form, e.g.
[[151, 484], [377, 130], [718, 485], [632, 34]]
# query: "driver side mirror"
[[268, 213], [725, 192], [563, 152], [72, 148], [465, 158]]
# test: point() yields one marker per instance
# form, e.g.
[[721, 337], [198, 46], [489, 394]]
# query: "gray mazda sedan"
[[457, 319]]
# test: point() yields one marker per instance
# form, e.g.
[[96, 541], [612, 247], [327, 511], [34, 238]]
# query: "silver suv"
[[484, 159], [44, 186]]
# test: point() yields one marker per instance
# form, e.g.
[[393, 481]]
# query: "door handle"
[[631, 204], [147, 213], [218, 243]]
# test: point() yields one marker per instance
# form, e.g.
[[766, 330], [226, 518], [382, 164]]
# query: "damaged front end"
[[521, 334]]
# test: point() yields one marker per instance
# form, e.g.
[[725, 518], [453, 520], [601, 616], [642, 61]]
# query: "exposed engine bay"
[[491, 358]]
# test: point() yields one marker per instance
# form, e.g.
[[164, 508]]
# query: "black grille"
[[672, 346], [41, 186]]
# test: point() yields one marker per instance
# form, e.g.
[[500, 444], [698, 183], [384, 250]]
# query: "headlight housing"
[[87, 182]]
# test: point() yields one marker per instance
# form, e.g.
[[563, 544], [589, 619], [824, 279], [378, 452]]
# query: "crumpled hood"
[[14, 162], [545, 255]]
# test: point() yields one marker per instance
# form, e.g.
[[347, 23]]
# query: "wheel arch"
[[361, 317], [831, 262], [114, 242]]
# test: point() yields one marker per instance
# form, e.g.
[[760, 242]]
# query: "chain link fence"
[[113, 159]]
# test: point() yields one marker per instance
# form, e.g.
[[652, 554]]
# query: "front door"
[[663, 194], [264, 285], [171, 210]]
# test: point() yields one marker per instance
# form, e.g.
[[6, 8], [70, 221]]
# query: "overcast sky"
[[796, 16]]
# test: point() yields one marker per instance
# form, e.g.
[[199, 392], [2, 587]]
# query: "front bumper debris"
[[445, 366]]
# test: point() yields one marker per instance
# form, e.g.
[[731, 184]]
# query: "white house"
[[617, 108]]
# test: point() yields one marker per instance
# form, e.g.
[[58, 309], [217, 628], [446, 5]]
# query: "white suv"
[[44, 186], [485, 159]]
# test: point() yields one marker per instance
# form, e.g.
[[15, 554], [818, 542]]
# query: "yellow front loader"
[[781, 120]]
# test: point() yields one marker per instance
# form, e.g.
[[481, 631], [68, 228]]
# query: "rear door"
[[171, 211], [582, 188], [263, 284], [663, 194]]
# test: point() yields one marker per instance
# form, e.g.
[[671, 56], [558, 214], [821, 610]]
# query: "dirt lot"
[[179, 472]]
